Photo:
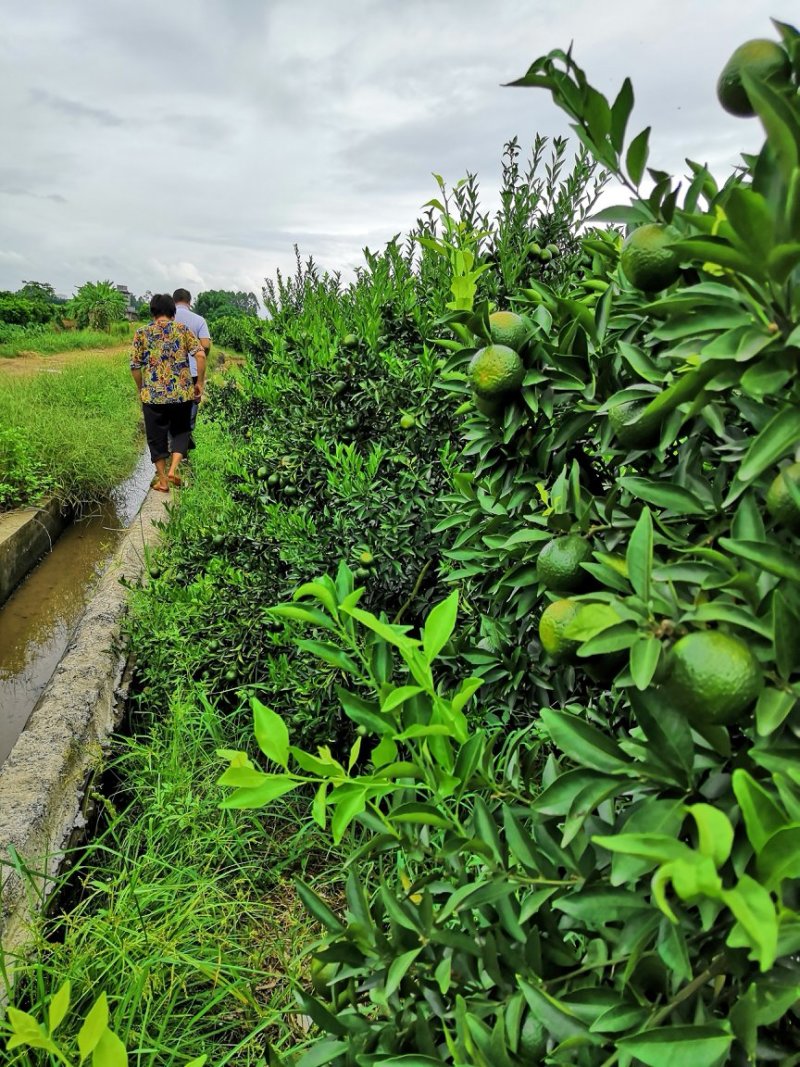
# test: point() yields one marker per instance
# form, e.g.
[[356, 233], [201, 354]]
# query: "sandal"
[[160, 488], [175, 480]]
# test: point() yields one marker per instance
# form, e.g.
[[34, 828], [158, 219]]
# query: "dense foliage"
[[213, 304], [551, 639], [97, 305]]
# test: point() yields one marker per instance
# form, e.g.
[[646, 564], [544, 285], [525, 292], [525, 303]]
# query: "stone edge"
[[43, 781], [25, 536]]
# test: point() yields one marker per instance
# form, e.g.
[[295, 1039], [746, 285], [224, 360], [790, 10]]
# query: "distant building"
[[130, 302]]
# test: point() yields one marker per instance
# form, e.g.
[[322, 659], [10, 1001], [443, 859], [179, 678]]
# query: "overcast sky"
[[193, 143]]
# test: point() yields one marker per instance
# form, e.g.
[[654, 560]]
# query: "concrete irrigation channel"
[[61, 688]]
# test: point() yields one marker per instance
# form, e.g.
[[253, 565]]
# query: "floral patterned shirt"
[[162, 355]]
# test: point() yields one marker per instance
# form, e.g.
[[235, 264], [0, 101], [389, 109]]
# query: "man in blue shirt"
[[199, 327]]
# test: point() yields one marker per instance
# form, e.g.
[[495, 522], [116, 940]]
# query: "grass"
[[51, 342], [74, 433], [184, 914]]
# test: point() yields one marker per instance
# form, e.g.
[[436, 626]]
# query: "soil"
[[34, 363]]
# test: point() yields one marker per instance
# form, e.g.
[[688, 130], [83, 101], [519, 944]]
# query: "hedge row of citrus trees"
[[514, 534]]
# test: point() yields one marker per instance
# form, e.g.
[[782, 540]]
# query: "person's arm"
[[137, 352], [200, 356]]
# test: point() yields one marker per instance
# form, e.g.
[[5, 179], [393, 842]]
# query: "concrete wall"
[[25, 536], [43, 781]]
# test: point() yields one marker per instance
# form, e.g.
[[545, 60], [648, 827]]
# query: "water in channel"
[[39, 618]]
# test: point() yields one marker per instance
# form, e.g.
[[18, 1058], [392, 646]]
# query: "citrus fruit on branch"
[[559, 563], [713, 677], [496, 372], [646, 259], [507, 328], [555, 619], [764, 61]]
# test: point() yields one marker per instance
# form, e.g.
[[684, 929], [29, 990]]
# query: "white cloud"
[[206, 138]]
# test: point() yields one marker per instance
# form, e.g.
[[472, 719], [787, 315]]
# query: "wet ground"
[[38, 619]]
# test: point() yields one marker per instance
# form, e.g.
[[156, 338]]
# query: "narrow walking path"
[[35, 363]]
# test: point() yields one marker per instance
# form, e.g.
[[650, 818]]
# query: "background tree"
[[42, 292], [97, 305], [214, 303]]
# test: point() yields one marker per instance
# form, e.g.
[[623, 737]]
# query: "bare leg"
[[161, 476], [173, 467]]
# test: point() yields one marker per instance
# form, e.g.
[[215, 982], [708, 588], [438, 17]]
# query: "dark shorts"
[[167, 426]]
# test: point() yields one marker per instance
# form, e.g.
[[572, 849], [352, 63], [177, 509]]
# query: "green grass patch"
[[74, 433], [44, 341], [183, 913]]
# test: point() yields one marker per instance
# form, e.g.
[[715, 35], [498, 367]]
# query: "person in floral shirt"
[[162, 372]]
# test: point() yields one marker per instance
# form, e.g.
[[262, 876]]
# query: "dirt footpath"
[[35, 363]]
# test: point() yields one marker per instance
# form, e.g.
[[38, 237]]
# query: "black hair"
[[162, 304], [182, 296]]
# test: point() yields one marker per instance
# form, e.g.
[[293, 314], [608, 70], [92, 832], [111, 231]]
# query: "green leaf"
[[595, 907], [780, 856], [667, 1046], [757, 921], [324, 1052], [779, 437], [109, 1051], [665, 495], [439, 626], [331, 654], [412, 1060], [398, 969], [394, 635], [58, 1006], [520, 843], [657, 847], [718, 251], [298, 614], [590, 620], [752, 218], [620, 113], [318, 908], [556, 1017], [639, 556], [345, 810], [636, 156], [762, 814], [399, 696], [653, 815], [271, 733], [772, 708], [319, 591], [271, 787], [714, 831], [583, 743], [644, 657], [95, 1023], [786, 632], [769, 557], [365, 713]]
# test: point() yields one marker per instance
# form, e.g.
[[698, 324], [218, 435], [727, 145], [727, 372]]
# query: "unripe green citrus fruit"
[[780, 503], [623, 419], [712, 676], [496, 372], [646, 261], [559, 563], [555, 618], [763, 60], [507, 328]]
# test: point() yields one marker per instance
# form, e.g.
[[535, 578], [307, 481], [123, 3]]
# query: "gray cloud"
[[57, 198], [197, 143], [74, 109]]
